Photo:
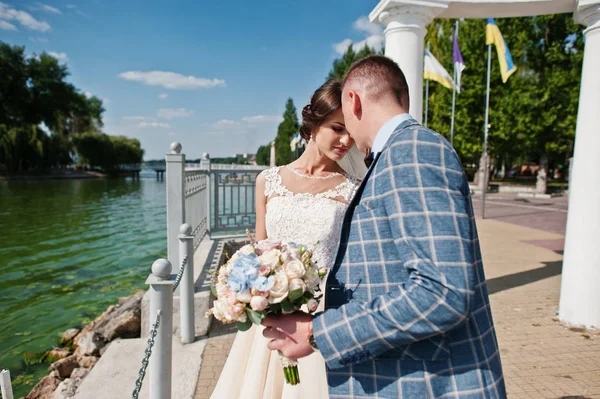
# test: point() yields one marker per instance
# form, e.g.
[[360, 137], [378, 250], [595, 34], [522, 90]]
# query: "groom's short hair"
[[379, 76]]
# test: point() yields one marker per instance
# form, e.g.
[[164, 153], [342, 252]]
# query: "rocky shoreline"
[[80, 350]]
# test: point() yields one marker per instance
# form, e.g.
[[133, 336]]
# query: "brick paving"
[[541, 357]]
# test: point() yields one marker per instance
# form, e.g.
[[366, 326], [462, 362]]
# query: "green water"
[[68, 250]]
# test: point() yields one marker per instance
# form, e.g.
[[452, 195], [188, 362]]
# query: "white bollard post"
[[161, 301], [175, 200], [5, 384], [186, 291]]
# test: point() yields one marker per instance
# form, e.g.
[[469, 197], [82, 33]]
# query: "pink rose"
[[259, 303], [264, 270], [238, 309], [267, 245], [232, 298], [312, 305]]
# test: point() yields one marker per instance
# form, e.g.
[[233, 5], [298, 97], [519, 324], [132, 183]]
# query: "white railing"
[[188, 222], [221, 166]]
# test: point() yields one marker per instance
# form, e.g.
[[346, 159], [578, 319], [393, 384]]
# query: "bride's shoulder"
[[269, 173], [353, 180]]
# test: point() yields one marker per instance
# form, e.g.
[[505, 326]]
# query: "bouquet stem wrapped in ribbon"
[[266, 277]]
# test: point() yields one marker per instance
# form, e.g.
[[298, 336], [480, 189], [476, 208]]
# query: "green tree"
[[286, 130], [263, 155], [342, 64]]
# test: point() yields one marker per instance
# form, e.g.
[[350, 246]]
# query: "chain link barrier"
[[180, 274], [152, 337], [147, 353]]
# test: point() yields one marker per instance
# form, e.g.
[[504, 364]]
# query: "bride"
[[303, 202]]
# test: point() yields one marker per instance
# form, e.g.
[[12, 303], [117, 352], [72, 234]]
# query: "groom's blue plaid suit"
[[408, 314]]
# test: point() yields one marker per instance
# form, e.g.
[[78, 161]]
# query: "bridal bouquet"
[[267, 277]]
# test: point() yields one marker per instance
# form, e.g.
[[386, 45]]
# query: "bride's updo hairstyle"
[[326, 100]]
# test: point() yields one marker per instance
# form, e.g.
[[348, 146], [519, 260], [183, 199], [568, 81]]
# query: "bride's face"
[[332, 138]]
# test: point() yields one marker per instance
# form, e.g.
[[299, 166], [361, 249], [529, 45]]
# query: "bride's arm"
[[260, 231]]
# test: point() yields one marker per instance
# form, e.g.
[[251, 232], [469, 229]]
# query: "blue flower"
[[244, 272], [263, 283]]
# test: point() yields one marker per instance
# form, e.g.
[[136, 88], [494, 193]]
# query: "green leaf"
[[245, 326], [255, 317], [293, 295], [287, 306], [275, 307], [213, 290]]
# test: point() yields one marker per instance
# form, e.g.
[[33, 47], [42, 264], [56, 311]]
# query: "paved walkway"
[[541, 357]]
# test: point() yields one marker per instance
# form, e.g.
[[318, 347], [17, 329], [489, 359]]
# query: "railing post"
[[186, 291], [205, 162], [161, 303], [175, 164], [5, 384]]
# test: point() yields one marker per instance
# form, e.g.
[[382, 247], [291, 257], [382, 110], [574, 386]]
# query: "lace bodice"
[[314, 220]]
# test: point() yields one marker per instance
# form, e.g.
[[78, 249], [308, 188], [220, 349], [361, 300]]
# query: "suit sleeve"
[[429, 211]]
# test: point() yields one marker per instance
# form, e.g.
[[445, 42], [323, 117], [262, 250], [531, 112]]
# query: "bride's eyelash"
[[338, 129]]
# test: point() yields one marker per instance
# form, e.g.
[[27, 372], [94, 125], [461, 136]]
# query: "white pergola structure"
[[406, 22]]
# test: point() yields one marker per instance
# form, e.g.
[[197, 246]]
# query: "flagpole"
[[453, 95], [486, 130], [426, 95]]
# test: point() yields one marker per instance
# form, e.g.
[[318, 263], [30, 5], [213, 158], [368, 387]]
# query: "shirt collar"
[[386, 131]]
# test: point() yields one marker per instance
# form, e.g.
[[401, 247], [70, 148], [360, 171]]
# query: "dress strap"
[[273, 183]]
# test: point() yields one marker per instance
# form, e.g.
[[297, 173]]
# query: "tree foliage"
[[42, 115], [534, 113], [286, 130]]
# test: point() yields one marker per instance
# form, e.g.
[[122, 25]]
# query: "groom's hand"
[[289, 334]]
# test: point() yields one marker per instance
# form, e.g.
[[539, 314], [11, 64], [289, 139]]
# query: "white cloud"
[[363, 24], [7, 26], [374, 39], [9, 14], [59, 56], [226, 124], [45, 7], [138, 118], [163, 96], [170, 113], [171, 80], [172, 134], [153, 124], [263, 119], [38, 39], [71, 6]]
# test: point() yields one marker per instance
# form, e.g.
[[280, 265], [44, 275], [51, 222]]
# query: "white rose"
[[312, 281], [223, 275], [323, 271], [221, 311], [279, 291], [247, 249], [259, 303], [297, 284], [222, 290], [244, 296], [294, 269], [270, 259]]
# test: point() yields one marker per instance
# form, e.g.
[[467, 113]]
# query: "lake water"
[[68, 250]]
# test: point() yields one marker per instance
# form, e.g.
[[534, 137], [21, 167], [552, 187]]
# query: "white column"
[[175, 201], [273, 161], [404, 41], [580, 290]]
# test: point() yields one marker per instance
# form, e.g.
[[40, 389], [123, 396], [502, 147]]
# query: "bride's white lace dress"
[[313, 218]]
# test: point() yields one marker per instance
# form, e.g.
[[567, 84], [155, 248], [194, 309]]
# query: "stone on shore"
[[44, 389]]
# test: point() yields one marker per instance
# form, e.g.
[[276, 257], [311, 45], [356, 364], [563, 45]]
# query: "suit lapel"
[[357, 197]]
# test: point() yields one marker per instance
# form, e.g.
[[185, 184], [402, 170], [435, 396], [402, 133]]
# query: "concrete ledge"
[[537, 195], [117, 370]]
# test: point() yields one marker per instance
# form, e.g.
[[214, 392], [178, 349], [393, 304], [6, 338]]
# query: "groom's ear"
[[356, 104]]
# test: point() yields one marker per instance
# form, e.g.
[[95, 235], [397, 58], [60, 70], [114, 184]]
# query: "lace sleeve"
[[272, 180]]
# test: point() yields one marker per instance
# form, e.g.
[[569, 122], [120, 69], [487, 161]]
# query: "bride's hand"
[[289, 334]]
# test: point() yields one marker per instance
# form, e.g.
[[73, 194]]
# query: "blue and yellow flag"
[[493, 36]]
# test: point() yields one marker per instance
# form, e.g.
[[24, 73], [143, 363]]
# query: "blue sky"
[[213, 75]]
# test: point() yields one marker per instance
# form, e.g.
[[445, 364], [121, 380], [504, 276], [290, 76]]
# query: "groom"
[[407, 310]]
